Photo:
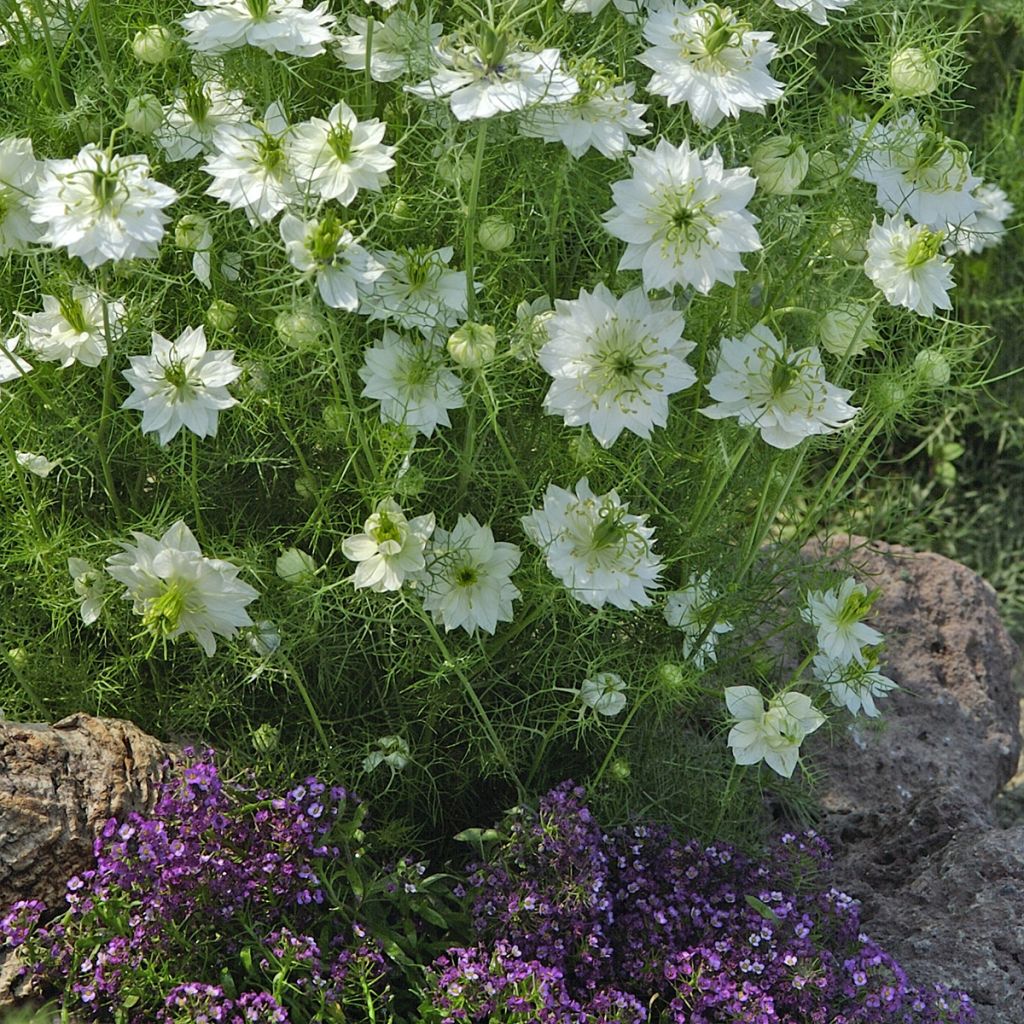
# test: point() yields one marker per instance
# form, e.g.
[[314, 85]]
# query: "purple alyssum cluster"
[[577, 925]]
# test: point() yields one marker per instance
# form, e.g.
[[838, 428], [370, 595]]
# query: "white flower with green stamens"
[[816, 10], [409, 378], [101, 207], [192, 118], [707, 57], [467, 583], [615, 361], [19, 171], [771, 734], [906, 264], [784, 394], [837, 615], [177, 590], [90, 586], [403, 44], [605, 693], [683, 219], [600, 553], [390, 548], [334, 158], [250, 167], [851, 685], [181, 385], [691, 611], [73, 329], [344, 270], [277, 26]]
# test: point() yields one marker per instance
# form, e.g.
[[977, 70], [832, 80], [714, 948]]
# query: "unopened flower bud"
[[892, 395], [496, 233], [305, 487], [454, 169], [335, 416], [847, 329], [221, 315], [295, 566], [846, 240], [144, 114], [780, 165], [912, 72], [153, 44], [932, 367], [266, 738], [192, 232], [619, 770], [18, 657], [473, 345], [300, 328]]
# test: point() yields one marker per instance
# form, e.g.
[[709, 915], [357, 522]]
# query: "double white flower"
[[772, 734], [906, 264], [390, 549], [277, 26], [73, 329]]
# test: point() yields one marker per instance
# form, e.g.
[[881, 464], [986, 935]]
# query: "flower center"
[[466, 576], [386, 529], [104, 186], [686, 222], [163, 615], [71, 310], [857, 605], [176, 375], [924, 248], [324, 238], [271, 153], [258, 9], [339, 139], [197, 104], [418, 265]]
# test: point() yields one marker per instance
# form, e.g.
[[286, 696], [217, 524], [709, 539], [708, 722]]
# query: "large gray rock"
[[909, 804]]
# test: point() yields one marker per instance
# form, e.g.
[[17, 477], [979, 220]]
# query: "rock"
[[910, 803]]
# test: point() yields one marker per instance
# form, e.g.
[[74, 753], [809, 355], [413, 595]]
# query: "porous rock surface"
[[910, 804]]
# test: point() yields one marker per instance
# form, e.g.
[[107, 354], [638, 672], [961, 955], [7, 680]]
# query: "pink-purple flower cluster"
[[578, 925]]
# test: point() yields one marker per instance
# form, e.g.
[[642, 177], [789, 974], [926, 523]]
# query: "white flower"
[[852, 685], [468, 578], [816, 10], [177, 590], [390, 549], [783, 394], [684, 219], [986, 229], [409, 379], [605, 693], [598, 551], [26, 17], [917, 172], [40, 465], [391, 750], [402, 44], [707, 57], [482, 81], [11, 366], [774, 734], [344, 269], [277, 26], [601, 116], [336, 157], [71, 329], [195, 114], [615, 362], [295, 566], [90, 586], [250, 167], [181, 385], [101, 207], [837, 614], [418, 291], [19, 170], [690, 610], [906, 265]]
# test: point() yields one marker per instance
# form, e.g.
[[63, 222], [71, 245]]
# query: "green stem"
[[710, 494], [51, 58], [106, 411], [471, 212], [318, 725], [196, 508], [22, 484], [350, 399], [368, 80], [101, 43]]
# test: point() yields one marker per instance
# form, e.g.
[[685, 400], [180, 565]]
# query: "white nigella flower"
[[410, 380], [344, 269], [277, 26], [683, 219], [390, 548], [195, 114], [600, 553], [783, 394], [987, 227], [39, 465], [25, 18], [468, 581], [490, 78], [181, 385], [690, 610], [101, 207], [837, 614], [250, 167], [71, 329], [90, 586], [615, 362], [11, 366], [418, 291], [402, 44], [176, 589], [852, 685], [707, 57], [390, 750], [906, 265], [771, 734], [601, 115], [917, 172], [605, 693], [19, 170], [816, 10], [336, 157]]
